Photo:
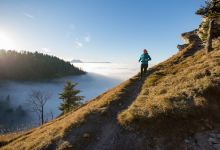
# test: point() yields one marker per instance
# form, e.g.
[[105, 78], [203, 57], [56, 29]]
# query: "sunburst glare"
[[6, 41]]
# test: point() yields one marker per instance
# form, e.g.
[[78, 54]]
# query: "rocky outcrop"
[[204, 26], [209, 140], [183, 46], [190, 38]]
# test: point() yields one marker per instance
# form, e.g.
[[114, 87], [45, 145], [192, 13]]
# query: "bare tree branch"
[[37, 100]]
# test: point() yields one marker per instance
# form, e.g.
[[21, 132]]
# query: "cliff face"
[[203, 28], [209, 12]]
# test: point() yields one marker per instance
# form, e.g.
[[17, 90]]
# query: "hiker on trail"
[[145, 57]]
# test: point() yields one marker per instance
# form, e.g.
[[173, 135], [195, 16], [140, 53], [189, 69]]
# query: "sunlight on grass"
[[177, 90]]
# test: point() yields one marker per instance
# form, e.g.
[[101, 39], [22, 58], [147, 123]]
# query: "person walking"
[[145, 57]]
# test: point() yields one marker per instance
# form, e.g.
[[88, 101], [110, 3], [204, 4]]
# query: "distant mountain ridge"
[[76, 61], [80, 61]]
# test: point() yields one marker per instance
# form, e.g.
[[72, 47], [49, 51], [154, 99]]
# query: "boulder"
[[181, 47], [191, 37]]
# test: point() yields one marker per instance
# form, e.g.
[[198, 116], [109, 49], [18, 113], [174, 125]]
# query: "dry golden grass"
[[6, 138], [184, 87], [43, 136]]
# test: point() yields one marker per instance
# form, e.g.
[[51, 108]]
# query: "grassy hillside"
[[55, 130], [184, 89], [178, 96], [33, 66]]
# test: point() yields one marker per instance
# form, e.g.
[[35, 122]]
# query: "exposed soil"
[[102, 131]]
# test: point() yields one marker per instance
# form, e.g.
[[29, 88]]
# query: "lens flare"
[[6, 41]]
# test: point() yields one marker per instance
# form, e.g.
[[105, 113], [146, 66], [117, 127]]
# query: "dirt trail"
[[102, 131], [110, 135]]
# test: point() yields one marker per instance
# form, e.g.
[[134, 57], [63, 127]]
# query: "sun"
[[6, 41]]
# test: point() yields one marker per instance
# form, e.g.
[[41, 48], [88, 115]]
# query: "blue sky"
[[97, 30]]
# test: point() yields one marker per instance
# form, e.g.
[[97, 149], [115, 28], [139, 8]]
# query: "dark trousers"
[[143, 69]]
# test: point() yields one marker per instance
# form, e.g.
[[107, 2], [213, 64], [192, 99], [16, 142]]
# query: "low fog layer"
[[100, 77]]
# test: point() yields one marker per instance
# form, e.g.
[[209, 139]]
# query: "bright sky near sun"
[[97, 30]]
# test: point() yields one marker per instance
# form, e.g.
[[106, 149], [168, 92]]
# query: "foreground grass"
[[184, 88], [43, 136], [6, 138]]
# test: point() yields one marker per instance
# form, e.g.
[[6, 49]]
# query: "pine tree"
[[211, 11], [69, 97], [31, 66]]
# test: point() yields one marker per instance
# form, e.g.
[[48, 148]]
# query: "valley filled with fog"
[[99, 78]]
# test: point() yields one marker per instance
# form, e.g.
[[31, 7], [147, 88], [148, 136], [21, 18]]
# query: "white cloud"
[[28, 15], [87, 38], [78, 44]]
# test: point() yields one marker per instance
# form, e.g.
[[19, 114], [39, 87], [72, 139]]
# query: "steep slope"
[[179, 98], [185, 87], [75, 125]]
